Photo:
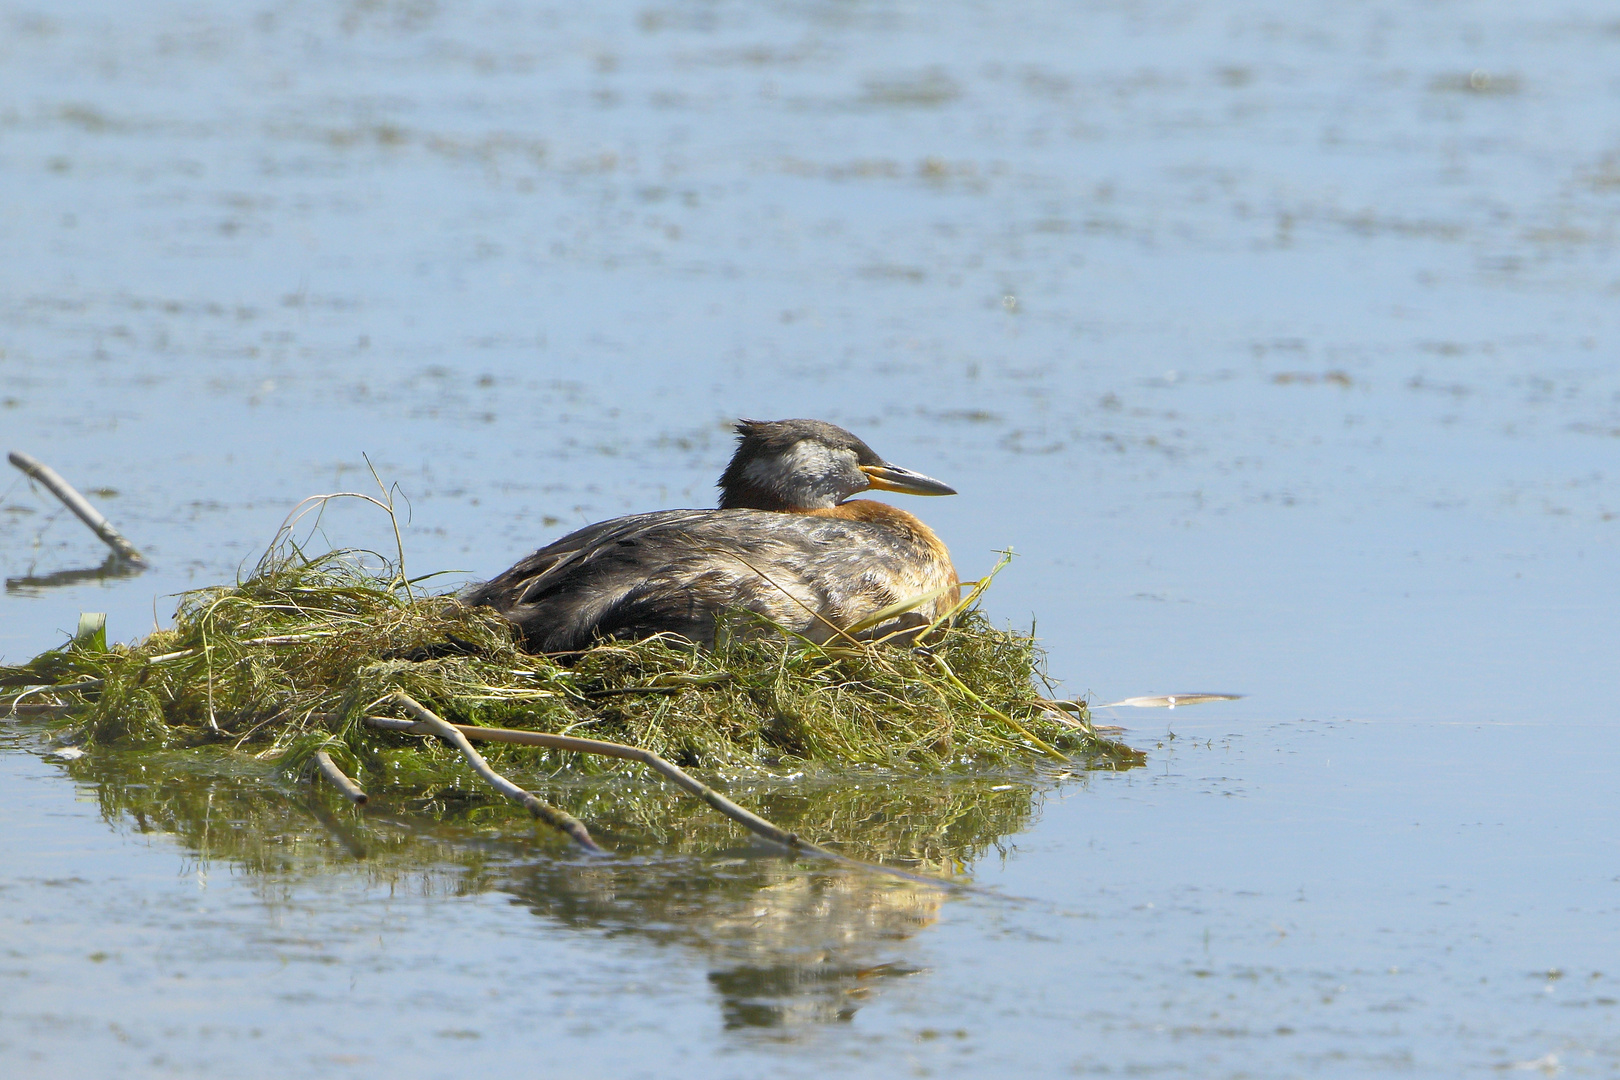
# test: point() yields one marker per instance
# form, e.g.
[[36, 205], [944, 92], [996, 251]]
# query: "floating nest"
[[301, 659]]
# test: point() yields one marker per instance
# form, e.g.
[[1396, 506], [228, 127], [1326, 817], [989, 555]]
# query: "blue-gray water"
[[1278, 339]]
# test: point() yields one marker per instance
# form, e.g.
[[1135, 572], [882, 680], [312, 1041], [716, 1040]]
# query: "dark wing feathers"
[[526, 582], [674, 570]]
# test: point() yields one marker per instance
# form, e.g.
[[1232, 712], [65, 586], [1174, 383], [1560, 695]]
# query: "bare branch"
[[450, 733], [38, 470], [329, 769]]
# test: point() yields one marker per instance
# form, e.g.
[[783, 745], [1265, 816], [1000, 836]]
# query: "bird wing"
[[528, 579], [674, 570]]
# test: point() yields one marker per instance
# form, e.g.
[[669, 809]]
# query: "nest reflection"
[[784, 942]]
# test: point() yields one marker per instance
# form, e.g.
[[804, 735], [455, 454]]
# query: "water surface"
[[1277, 339]]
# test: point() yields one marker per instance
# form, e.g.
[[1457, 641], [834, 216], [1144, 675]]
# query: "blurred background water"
[[1277, 339]]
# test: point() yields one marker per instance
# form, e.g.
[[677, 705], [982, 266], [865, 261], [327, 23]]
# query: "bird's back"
[[673, 571]]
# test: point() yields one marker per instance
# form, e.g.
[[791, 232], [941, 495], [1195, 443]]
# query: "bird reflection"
[[783, 945]]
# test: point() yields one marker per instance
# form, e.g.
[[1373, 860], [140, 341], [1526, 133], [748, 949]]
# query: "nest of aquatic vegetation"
[[291, 660]]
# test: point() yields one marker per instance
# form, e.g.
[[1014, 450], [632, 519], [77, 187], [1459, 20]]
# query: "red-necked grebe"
[[786, 542]]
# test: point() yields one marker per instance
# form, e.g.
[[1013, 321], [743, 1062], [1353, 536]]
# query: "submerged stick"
[[329, 769], [38, 470], [557, 819]]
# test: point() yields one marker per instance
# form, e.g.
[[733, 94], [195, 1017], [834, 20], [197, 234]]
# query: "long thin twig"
[[746, 818], [12, 705], [450, 733], [329, 769], [274, 639], [38, 470], [86, 684]]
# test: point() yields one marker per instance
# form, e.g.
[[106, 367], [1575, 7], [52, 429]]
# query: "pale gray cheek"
[[798, 462]]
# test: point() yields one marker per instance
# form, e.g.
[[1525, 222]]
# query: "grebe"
[[785, 542]]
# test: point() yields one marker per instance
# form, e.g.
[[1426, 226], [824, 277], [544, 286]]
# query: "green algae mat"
[[267, 674]]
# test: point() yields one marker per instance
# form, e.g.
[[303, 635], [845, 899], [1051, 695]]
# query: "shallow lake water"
[[1278, 340]]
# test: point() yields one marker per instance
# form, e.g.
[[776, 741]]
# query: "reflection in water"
[[114, 567], [786, 942]]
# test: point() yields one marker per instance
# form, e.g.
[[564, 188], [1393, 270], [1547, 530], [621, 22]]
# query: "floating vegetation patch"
[[338, 663], [292, 659]]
